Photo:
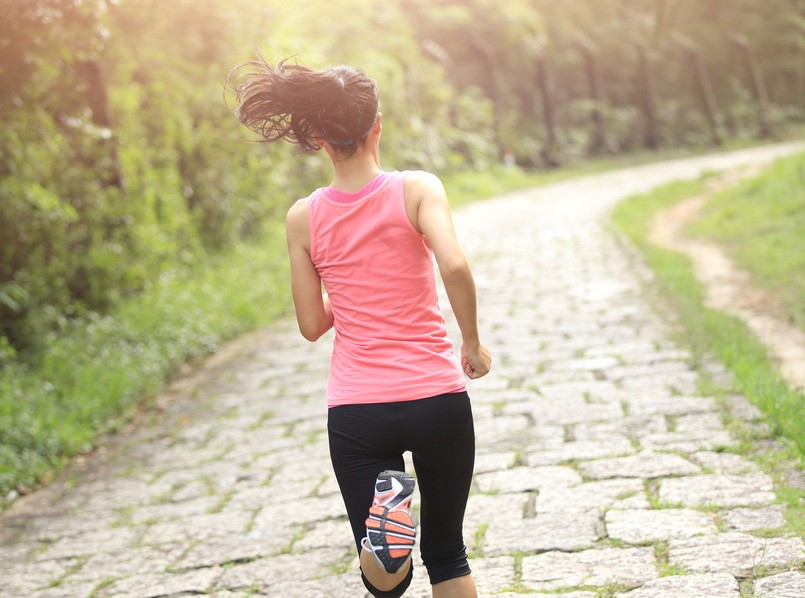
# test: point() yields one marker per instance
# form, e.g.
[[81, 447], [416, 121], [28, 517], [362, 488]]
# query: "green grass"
[[712, 333], [762, 224], [95, 372], [706, 331]]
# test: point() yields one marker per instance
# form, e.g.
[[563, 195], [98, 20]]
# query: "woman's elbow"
[[313, 330], [310, 333], [456, 270]]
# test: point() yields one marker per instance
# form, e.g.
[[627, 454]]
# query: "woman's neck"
[[354, 173]]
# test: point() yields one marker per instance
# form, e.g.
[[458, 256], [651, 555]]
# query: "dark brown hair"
[[293, 102]]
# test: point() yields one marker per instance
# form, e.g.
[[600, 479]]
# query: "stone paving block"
[[750, 490], [27, 579], [631, 425], [324, 534], [330, 586], [500, 428], [237, 547], [135, 561], [280, 570], [163, 584], [740, 408], [64, 590], [680, 382], [87, 544], [198, 527], [493, 573], [648, 370], [738, 554], [725, 462], [784, 585], [646, 464], [581, 450], [485, 462], [589, 495], [631, 567], [301, 511], [316, 466], [537, 436], [328, 488], [601, 362], [745, 519], [648, 405], [192, 490], [687, 442], [645, 526], [547, 531], [523, 479], [48, 529], [699, 422], [17, 554], [564, 413], [558, 376], [593, 391], [168, 511], [495, 507], [716, 585]]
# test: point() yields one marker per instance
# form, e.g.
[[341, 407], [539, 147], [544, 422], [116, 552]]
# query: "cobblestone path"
[[600, 470]]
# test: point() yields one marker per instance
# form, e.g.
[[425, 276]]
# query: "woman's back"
[[391, 341]]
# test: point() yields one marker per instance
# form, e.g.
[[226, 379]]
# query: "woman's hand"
[[475, 360]]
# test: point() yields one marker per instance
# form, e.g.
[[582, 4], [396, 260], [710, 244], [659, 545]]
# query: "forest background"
[[140, 223]]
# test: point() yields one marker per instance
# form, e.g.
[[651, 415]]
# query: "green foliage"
[[762, 224], [95, 370], [707, 331]]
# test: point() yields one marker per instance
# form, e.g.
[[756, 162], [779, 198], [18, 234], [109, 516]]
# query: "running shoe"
[[389, 529]]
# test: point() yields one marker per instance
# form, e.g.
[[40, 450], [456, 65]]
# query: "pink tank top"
[[391, 342]]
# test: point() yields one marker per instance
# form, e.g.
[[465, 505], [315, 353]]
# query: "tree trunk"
[[98, 103], [498, 98], [652, 136], [440, 55], [708, 96], [549, 112], [758, 85], [598, 142]]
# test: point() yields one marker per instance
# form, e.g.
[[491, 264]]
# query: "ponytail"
[[293, 102]]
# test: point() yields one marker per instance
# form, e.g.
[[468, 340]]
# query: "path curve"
[[599, 467], [727, 287]]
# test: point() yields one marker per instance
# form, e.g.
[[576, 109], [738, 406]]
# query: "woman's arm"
[[313, 312], [432, 218]]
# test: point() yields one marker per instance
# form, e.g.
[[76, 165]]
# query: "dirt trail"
[[727, 287]]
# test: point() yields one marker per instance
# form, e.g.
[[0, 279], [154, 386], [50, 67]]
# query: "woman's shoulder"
[[297, 217], [422, 180]]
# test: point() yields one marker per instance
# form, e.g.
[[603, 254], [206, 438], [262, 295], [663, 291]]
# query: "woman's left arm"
[[313, 311]]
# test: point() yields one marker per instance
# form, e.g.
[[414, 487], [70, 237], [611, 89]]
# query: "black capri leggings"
[[367, 439]]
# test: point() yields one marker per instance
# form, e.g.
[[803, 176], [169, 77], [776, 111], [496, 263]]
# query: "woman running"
[[395, 383]]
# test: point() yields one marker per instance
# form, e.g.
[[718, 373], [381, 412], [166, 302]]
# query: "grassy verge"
[[95, 372], [710, 333], [707, 331], [762, 224]]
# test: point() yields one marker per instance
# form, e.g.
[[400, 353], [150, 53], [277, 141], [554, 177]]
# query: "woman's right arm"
[[313, 311], [432, 219]]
